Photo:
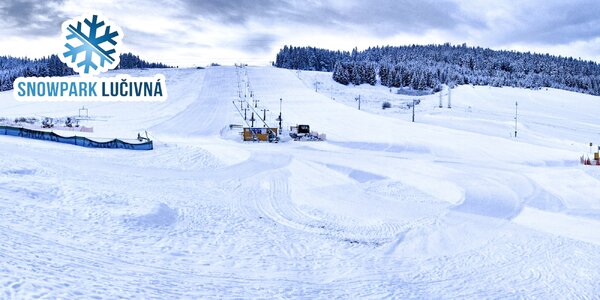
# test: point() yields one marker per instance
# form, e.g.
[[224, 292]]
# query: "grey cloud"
[[492, 24], [255, 43], [534, 21], [386, 17], [232, 12], [379, 17], [31, 17], [552, 23], [141, 39]]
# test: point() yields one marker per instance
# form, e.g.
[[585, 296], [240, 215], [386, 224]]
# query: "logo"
[[92, 46]]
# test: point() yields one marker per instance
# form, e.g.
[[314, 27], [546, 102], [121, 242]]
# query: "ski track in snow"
[[376, 212]]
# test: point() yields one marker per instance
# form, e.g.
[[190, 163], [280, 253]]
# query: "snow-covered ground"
[[451, 206]]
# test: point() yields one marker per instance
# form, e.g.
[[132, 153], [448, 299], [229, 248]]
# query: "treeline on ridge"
[[426, 67]]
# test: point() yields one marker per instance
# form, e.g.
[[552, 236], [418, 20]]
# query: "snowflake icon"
[[92, 44]]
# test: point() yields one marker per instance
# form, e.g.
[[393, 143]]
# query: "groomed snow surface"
[[451, 206]]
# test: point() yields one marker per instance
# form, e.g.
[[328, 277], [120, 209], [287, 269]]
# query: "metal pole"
[[252, 120], [413, 116], [258, 116], [235, 105], [441, 92], [449, 97], [280, 129], [516, 115]]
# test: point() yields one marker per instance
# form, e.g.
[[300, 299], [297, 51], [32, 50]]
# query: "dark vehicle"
[[303, 129]]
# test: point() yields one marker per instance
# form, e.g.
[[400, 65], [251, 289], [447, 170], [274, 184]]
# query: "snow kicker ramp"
[[73, 140]]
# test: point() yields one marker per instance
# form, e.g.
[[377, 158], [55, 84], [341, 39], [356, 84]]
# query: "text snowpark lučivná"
[[119, 88]]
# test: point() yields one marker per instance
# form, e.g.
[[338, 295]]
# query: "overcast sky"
[[198, 32]]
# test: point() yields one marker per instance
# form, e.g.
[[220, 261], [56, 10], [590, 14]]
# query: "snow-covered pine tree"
[[340, 74], [356, 76], [370, 74], [384, 74]]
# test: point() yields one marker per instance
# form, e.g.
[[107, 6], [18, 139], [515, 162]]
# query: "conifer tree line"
[[132, 61], [12, 67], [427, 67]]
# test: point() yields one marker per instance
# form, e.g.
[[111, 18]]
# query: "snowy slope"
[[549, 117], [450, 206]]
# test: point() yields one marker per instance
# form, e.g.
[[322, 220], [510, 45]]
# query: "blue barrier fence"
[[73, 140]]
